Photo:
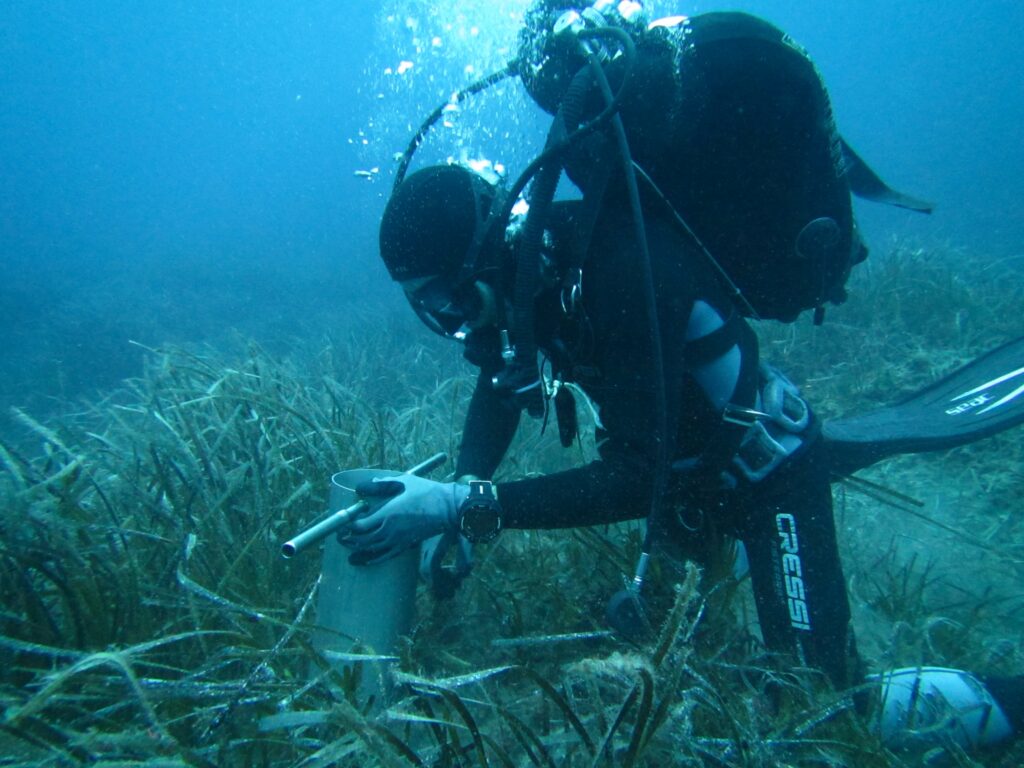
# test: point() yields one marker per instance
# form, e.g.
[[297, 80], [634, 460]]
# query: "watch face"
[[481, 522]]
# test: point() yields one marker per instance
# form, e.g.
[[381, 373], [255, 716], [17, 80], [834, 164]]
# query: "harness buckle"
[[775, 433], [572, 291], [742, 416], [760, 453], [785, 406]]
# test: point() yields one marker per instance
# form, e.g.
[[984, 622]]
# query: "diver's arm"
[[491, 423], [618, 486], [602, 492]]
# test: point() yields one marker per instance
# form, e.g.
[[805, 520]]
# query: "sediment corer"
[[362, 611], [338, 520]]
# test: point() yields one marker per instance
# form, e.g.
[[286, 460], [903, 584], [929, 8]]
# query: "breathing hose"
[[624, 610], [523, 373], [414, 143], [545, 170]]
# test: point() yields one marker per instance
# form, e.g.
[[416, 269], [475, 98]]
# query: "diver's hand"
[[417, 509], [444, 578]]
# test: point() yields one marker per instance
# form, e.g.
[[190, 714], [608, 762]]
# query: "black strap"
[[723, 443], [712, 346], [600, 169]]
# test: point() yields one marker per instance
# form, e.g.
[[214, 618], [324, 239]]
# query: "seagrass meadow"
[[148, 618]]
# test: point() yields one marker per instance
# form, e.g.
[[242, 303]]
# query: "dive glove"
[[413, 509], [444, 578]]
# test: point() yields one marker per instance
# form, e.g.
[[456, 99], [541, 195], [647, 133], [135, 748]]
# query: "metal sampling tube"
[[338, 520]]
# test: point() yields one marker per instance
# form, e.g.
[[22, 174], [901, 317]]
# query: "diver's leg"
[[789, 533]]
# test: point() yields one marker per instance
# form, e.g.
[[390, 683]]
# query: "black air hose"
[[528, 259], [663, 437], [414, 143], [499, 218]]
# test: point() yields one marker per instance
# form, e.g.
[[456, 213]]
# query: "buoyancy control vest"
[[731, 125]]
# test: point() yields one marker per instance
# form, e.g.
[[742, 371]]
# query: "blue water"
[[174, 169]]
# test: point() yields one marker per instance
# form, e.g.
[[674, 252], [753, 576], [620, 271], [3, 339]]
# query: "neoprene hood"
[[432, 220]]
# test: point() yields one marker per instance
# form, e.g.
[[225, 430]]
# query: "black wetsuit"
[[784, 521], [748, 186]]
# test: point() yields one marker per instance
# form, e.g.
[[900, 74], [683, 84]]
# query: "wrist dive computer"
[[480, 514]]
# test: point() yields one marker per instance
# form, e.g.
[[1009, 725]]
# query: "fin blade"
[[981, 399], [865, 183]]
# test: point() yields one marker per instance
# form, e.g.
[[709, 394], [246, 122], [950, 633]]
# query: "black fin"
[[865, 183], [983, 398]]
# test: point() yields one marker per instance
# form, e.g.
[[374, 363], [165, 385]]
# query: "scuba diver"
[[715, 188]]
